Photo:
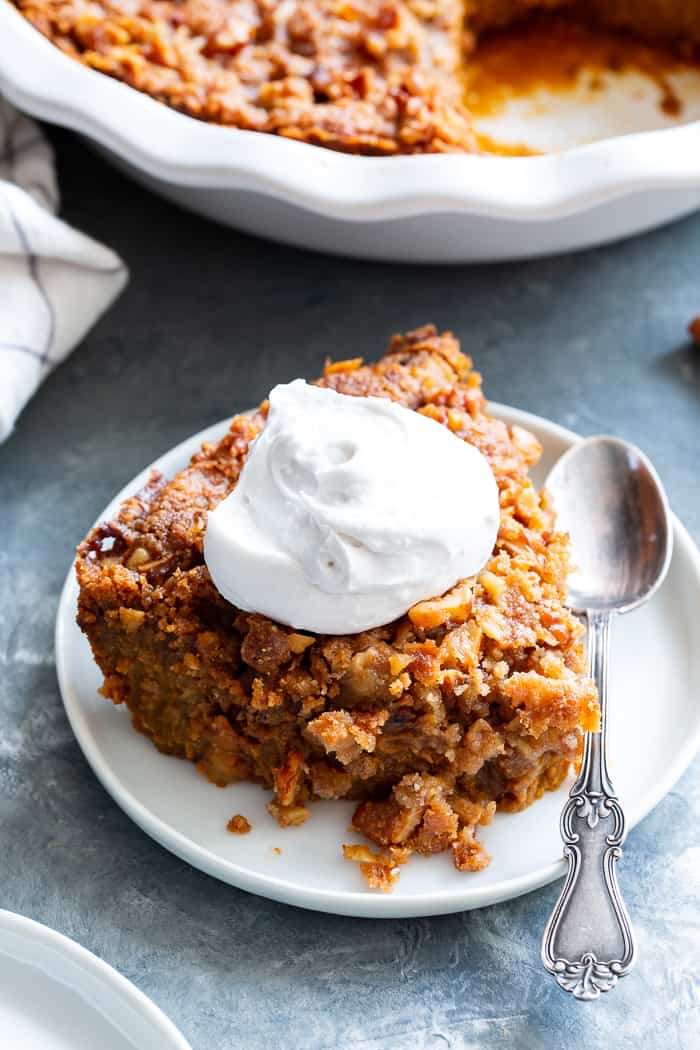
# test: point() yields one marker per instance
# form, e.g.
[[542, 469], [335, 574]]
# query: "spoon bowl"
[[609, 498]]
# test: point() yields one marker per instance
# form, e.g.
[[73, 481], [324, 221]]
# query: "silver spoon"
[[608, 497]]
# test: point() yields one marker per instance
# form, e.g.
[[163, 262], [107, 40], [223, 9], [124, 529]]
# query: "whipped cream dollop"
[[349, 510]]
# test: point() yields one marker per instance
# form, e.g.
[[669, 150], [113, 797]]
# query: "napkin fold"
[[54, 281]]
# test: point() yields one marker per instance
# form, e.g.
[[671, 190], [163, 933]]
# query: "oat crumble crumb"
[[239, 825]]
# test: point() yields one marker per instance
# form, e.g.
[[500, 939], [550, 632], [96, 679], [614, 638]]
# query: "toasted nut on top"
[[349, 365], [453, 606], [299, 642]]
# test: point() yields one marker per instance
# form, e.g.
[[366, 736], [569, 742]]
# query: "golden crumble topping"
[[474, 700]]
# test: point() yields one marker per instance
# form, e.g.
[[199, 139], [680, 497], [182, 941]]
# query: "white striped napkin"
[[54, 281]]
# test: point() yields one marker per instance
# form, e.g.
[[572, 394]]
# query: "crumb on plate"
[[239, 825], [381, 870]]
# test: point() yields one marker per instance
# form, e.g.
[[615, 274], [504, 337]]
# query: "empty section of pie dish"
[[435, 208]]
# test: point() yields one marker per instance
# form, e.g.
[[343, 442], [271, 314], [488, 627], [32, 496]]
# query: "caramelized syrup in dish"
[[555, 55]]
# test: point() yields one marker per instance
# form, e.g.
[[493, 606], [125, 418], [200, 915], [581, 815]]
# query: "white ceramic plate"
[[654, 733], [55, 995], [448, 208]]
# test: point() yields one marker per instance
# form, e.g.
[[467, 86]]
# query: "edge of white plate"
[[36, 76], [360, 904], [37, 933]]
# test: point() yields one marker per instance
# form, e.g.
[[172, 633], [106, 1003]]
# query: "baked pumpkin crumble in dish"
[[363, 76], [474, 700]]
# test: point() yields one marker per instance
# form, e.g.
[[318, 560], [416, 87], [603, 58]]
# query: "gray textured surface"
[[209, 321]]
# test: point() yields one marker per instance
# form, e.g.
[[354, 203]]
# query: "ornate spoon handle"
[[588, 942]]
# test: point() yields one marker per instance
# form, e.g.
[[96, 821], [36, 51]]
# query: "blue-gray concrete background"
[[210, 320]]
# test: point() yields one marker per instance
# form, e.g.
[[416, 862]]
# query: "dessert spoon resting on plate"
[[610, 500]]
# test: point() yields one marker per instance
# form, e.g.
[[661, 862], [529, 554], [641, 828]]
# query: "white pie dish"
[[448, 208], [56, 995], [654, 733]]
